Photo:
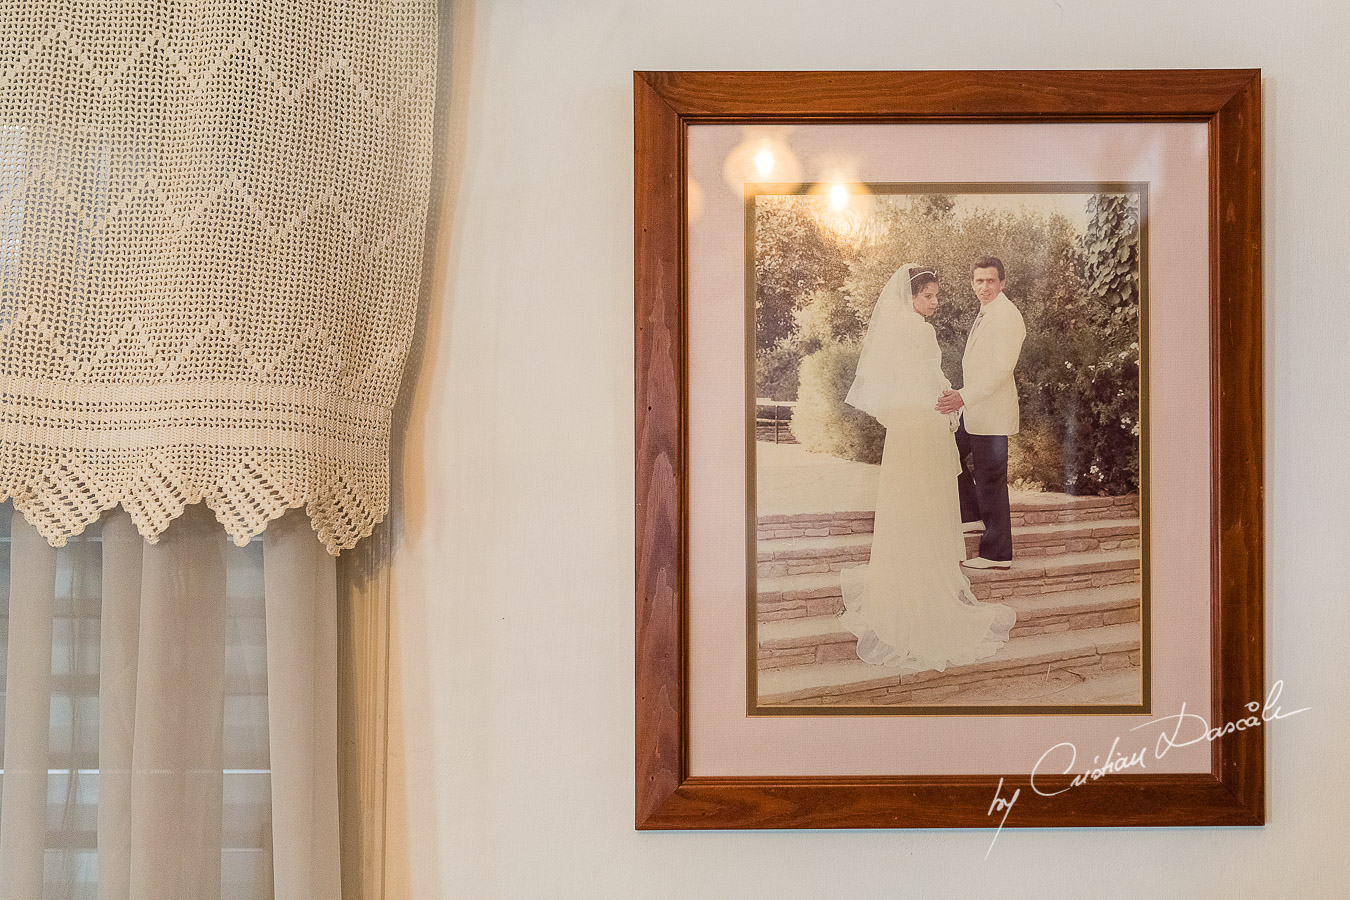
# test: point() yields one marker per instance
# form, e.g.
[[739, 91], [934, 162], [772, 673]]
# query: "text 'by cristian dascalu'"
[[1180, 730]]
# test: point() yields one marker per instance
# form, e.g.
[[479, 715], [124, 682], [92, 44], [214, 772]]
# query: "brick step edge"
[[1076, 509], [1031, 544], [833, 642], [798, 596], [1094, 650], [935, 695]]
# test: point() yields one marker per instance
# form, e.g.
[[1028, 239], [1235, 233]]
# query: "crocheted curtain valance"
[[211, 226]]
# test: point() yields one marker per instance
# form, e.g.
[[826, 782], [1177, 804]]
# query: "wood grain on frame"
[[665, 103], [662, 469]]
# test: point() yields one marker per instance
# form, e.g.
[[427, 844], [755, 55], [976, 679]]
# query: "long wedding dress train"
[[911, 606]]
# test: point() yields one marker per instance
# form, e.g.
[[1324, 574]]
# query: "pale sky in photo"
[[1072, 206]]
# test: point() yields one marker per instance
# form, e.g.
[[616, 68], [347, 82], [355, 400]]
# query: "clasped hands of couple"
[[950, 403]]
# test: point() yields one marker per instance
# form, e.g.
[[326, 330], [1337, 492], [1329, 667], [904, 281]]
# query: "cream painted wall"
[[512, 739]]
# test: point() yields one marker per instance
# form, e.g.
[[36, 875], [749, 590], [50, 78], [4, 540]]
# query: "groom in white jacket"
[[988, 404]]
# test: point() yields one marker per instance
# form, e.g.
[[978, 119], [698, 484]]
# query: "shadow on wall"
[[440, 262], [409, 828]]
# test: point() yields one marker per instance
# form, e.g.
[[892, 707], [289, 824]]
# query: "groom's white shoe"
[[968, 527], [980, 562]]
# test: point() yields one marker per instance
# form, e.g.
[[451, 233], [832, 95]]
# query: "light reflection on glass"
[[845, 205], [694, 198], [763, 155], [764, 162], [839, 197]]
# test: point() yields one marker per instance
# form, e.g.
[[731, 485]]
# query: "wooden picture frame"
[[665, 105]]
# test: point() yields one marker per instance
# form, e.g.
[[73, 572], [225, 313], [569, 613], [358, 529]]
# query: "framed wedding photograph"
[[845, 505], [949, 449]]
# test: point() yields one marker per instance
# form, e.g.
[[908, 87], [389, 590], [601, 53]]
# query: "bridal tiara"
[[917, 272]]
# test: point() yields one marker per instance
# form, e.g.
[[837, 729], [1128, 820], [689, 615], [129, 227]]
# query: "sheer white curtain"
[[169, 713]]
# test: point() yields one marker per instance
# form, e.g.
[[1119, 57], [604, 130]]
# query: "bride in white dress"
[[911, 605]]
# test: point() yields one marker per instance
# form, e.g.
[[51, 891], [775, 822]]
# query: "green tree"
[[793, 258]]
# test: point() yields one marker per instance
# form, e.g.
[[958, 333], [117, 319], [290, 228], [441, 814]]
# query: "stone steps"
[[1078, 653], [817, 594], [832, 552], [820, 639], [1027, 509]]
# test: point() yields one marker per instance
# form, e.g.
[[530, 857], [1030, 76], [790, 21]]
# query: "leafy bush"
[[1105, 456], [824, 318], [822, 422], [776, 373], [1034, 455]]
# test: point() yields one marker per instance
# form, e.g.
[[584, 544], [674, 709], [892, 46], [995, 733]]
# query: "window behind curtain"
[[73, 775]]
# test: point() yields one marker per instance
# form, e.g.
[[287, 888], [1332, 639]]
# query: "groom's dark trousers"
[[983, 486]]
